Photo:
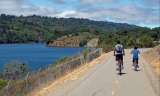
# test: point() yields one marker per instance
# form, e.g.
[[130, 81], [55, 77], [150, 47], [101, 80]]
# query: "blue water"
[[36, 55]]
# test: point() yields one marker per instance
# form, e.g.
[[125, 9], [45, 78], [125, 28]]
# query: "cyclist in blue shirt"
[[135, 53]]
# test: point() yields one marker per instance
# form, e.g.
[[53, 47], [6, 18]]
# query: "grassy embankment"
[[153, 56]]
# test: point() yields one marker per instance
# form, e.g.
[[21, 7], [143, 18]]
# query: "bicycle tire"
[[119, 63], [135, 64]]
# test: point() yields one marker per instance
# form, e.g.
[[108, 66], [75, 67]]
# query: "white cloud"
[[66, 13], [123, 14], [22, 7], [10, 5], [96, 1]]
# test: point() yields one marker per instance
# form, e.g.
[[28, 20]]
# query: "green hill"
[[25, 29]]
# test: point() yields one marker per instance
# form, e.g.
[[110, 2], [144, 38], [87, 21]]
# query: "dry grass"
[[153, 56], [156, 64]]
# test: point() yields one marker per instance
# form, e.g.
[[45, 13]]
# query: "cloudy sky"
[[138, 12]]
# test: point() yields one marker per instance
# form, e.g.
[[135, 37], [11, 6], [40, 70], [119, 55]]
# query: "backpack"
[[119, 49]]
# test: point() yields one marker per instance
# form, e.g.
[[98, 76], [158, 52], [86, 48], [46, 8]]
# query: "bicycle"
[[135, 64], [119, 66]]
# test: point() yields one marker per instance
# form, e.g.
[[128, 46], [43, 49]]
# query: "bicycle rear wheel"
[[135, 65], [120, 67]]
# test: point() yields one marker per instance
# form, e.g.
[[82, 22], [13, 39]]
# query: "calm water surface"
[[36, 55]]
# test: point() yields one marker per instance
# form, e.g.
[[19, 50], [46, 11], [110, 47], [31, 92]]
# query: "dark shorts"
[[119, 56], [135, 59]]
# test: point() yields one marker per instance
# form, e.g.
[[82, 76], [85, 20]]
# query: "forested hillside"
[[35, 28], [144, 36], [26, 29]]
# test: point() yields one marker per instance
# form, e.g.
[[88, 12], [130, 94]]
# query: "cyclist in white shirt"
[[119, 52]]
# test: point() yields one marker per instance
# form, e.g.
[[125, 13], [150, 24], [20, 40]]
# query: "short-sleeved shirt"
[[118, 46], [135, 53]]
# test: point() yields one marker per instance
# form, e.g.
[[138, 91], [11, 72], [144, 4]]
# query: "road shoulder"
[[153, 77]]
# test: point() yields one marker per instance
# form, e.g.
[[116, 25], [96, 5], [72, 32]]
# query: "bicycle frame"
[[135, 64], [119, 66]]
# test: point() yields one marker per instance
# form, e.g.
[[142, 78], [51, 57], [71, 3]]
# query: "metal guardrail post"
[[49, 67], [38, 76], [8, 88], [57, 64], [72, 63], [88, 57], [48, 72], [66, 65], [57, 68], [81, 59], [27, 81]]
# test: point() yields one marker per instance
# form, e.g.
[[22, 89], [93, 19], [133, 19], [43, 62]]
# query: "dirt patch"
[[70, 75], [153, 57], [93, 42]]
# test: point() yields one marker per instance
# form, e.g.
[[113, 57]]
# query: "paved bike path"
[[102, 80]]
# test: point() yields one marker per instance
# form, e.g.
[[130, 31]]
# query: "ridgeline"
[[29, 29]]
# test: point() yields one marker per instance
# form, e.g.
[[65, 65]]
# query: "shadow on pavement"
[[121, 73], [137, 70]]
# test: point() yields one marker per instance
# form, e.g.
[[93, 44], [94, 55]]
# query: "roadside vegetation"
[[17, 71], [13, 70], [153, 57], [144, 36]]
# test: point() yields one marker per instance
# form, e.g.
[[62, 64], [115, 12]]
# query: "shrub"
[[85, 52], [108, 48], [3, 83]]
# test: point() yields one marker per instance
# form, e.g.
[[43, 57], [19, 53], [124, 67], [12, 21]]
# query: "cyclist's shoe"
[[137, 66], [117, 69], [122, 67]]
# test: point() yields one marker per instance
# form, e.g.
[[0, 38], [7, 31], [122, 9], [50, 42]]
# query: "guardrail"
[[45, 75]]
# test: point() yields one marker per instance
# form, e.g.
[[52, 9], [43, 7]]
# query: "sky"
[[145, 13]]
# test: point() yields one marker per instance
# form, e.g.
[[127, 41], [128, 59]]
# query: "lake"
[[36, 55]]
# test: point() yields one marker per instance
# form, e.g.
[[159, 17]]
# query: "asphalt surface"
[[102, 80]]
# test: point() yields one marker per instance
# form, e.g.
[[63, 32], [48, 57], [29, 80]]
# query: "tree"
[[96, 32], [50, 38], [146, 41], [131, 41], [153, 34], [15, 70], [83, 42]]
